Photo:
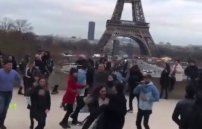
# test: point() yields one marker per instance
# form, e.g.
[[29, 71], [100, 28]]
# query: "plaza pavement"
[[18, 117]]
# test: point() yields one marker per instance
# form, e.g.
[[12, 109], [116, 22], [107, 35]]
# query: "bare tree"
[[6, 24], [22, 25]]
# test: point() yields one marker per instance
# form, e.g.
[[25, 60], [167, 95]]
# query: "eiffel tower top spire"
[[137, 10]]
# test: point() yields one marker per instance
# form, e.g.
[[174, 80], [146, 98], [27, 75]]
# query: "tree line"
[[18, 39]]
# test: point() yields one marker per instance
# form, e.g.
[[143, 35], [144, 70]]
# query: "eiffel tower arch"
[[137, 29]]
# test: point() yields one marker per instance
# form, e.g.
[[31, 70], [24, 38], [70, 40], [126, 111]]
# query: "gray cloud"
[[175, 21]]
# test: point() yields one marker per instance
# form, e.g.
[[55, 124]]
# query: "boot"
[[64, 125], [20, 91], [55, 90], [31, 121]]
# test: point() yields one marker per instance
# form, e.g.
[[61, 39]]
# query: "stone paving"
[[18, 115]]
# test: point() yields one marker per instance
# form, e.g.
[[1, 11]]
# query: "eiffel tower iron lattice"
[[137, 29]]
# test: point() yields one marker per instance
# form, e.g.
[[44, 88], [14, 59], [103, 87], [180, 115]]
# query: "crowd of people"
[[31, 75], [101, 86]]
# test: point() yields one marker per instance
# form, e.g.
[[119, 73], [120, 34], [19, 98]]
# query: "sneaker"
[[130, 111], [64, 126], [3, 127]]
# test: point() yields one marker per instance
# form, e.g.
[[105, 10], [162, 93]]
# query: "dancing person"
[[96, 102], [148, 94], [69, 97], [40, 102], [165, 81], [28, 80], [180, 112], [100, 76], [114, 113], [81, 79], [111, 83], [135, 77], [8, 77]]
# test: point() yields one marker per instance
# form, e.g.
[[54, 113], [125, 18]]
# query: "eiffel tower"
[[137, 29]]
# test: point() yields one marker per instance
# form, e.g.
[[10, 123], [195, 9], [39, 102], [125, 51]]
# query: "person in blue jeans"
[[148, 94], [8, 78]]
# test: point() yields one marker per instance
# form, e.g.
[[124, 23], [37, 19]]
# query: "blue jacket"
[[150, 92], [81, 76], [119, 77]]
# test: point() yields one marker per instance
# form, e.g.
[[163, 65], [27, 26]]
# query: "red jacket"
[[71, 91]]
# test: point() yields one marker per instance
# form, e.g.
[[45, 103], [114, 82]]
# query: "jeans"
[[5, 98], [143, 113], [80, 105], [131, 97]]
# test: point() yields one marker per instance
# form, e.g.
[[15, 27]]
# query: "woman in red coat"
[[69, 97]]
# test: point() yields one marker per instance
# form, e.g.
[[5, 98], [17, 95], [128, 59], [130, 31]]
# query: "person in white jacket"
[[177, 73]]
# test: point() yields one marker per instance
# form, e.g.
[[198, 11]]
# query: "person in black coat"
[[29, 77], [135, 77], [90, 75], [180, 115], [165, 81], [192, 73], [40, 103], [14, 63], [96, 102], [47, 62], [39, 65], [114, 113], [194, 119]]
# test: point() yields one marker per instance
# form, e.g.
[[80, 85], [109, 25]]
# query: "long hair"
[[71, 73], [135, 68], [43, 77], [96, 91]]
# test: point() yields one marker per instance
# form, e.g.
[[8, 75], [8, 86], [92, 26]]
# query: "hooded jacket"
[[150, 92]]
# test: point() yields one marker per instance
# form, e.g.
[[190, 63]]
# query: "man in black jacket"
[[192, 72], [182, 108], [195, 114]]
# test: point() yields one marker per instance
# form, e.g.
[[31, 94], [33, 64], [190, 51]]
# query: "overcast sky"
[[175, 21]]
